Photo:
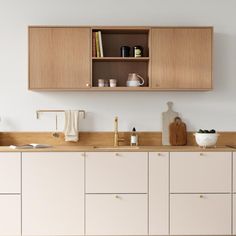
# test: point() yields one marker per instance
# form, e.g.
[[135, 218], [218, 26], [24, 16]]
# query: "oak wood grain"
[[101, 138], [182, 58], [59, 58]]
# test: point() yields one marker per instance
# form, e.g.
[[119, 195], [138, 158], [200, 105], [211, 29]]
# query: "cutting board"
[[178, 133], [167, 118]]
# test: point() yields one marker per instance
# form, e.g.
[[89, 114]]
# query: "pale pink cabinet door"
[[116, 214], [200, 214], [197, 172], [10, 172], [53, 193], [234, 172], [10, 215], [116, 172], [158, 193], [234, 214]]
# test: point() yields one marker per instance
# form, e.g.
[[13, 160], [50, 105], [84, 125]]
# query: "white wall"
[[215, 109]]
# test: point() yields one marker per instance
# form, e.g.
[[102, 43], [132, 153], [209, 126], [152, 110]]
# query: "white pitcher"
[[134, 80]]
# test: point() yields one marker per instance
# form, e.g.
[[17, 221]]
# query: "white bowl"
[[206, 140]]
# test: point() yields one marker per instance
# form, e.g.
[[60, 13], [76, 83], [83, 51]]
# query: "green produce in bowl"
[[205, 131]]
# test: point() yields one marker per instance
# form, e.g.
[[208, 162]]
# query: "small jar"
[[125, 51], [101, 83], [137, 51]]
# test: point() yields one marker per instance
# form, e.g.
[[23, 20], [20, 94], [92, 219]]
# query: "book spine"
[[97, 45], [94, 53], [100, 43]]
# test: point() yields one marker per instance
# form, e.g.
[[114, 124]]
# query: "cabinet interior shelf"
[[120, 59]]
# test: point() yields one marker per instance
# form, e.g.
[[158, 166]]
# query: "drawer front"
[[122, 172], [10, 215], [194, 214], [10, 172], [234, 172], [194, 172], [121, 214], [158, 193]]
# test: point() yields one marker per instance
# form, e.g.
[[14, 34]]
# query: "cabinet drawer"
[[10, 215], [194, 172], [122, 172], [10, 172], [194, 214], [121, 214]]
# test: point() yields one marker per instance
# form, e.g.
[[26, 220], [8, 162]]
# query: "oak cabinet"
[[181, 58], [200, 214], [59, 57], [116, 172], [159, 193], [53, 193], [10, 215], [174, 58], [200, 172], [116, 214]]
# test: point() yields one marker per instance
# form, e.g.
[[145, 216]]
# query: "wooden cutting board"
[[167, 118], [178, 133]]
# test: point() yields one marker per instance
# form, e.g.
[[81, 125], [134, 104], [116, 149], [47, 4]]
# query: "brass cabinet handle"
[[117, 154], [159, 154], [117, 197], [201, 196], [88, 85], [201, 154]]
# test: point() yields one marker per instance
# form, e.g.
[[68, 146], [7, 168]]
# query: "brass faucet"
[[116, 134]]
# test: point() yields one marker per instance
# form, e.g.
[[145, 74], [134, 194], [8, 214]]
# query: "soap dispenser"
[[134, 138]]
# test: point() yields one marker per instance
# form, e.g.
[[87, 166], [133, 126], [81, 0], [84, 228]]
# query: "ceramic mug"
[[134, 80], [113, 82]]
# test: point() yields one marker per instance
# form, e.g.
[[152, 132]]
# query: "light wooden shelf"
[[119, 88], [130, 59]]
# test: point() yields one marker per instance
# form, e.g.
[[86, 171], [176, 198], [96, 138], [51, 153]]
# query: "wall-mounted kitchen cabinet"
[[182, 58], [173, 58], [59, 58]]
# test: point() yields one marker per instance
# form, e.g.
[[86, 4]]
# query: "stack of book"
[[97, 49]]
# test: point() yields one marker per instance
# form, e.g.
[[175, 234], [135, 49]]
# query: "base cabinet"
[[234, 214], [234, 172], [116, 214], [53, 193], [10, 215], [196, 214], [159, 193]]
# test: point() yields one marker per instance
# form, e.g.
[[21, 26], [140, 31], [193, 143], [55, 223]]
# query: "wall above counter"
[[172, 58]]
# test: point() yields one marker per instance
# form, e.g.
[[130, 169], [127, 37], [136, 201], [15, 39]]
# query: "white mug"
[[113, 82]]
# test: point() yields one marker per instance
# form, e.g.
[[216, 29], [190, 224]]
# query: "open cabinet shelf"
[[120, 59], [112, 65]]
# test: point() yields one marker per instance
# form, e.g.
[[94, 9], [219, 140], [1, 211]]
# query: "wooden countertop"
[[121, 149]]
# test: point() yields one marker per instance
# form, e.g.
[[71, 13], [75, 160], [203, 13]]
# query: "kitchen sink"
[[115, 148]]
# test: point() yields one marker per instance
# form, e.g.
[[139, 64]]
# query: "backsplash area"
[[206, 110]]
